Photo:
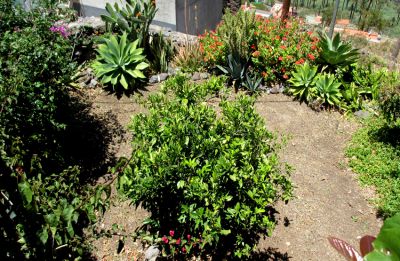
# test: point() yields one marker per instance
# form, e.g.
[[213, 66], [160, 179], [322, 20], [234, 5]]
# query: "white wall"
[[166, 15]]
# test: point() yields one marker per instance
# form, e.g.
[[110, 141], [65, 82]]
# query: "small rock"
[[362, 114], [196, 76], [152, 253], [275, 90], [158, 78], [163, 76], [172, 71], [93, 83], [153, 79], [204, 76]]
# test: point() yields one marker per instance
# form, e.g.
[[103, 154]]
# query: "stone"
[[93, 83], [152, 253], [196, 76], [204, 76], [362, 114], [163, 76], [153, 79], [158, 78], [275, 90]]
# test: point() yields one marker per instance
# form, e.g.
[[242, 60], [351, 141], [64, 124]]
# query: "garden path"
[[328, 200], [327, 197]]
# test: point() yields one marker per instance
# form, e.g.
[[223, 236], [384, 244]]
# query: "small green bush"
[[390, 104], [208, 181]]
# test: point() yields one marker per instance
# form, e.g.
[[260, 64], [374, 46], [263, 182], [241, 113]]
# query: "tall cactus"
[[233, 5]]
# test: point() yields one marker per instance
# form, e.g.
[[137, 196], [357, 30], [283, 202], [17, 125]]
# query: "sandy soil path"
[[328, 199]]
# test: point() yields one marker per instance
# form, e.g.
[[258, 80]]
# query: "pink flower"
[[164, 239], [171, 233], [188, 237], [183, 250], [178, 241], [280, 58]]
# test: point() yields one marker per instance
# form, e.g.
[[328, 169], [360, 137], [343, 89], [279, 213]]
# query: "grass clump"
[[374, 153]]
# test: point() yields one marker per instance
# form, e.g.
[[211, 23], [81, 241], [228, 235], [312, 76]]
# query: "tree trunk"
[[333, 22], [285, 9]]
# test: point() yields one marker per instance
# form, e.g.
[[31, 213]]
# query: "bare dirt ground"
[[327, 197]]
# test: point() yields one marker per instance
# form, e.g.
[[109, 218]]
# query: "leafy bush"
[[119, 62], [208, 182], [43, 204], [374, 153], [390, 103]]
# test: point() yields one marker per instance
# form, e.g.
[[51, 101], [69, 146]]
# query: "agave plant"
[[134, 19], [385, 247], [252, 83], [119, 62], [303, 82], [335, 53], [328, 89], [236, 69]]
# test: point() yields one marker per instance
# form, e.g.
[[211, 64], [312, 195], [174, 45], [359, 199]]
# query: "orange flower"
[[280, 58], [312, 57], [256, 53], [285, 76]]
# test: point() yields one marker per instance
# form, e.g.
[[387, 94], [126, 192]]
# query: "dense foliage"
[[271, 48], [43, 204], [209, 182]]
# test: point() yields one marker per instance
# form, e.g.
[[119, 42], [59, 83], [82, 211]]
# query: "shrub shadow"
[[89, 139], [270, 254], [387, 134]]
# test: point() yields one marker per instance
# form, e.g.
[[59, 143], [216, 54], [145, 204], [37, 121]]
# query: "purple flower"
[[61, 29]]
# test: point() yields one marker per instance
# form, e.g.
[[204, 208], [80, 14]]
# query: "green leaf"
[[180, 184], [43, 236], [387, 243], [26, 192]]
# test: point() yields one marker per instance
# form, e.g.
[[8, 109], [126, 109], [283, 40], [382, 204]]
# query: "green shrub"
[[390, 103], [44, 203], [208, 182]]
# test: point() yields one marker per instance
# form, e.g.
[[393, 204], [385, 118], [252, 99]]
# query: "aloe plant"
[[328, 89], [119, 62], [303, 82], [134, 19], [385, 247], [335, 53]]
